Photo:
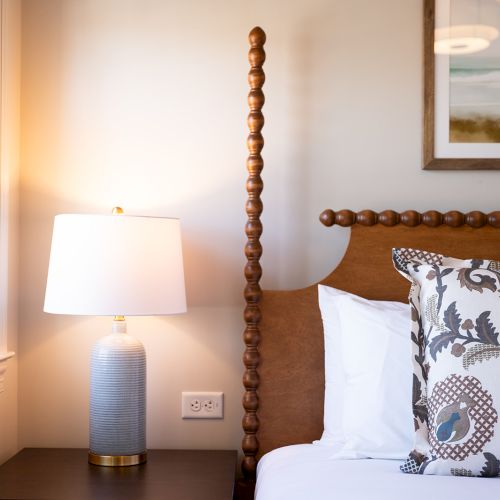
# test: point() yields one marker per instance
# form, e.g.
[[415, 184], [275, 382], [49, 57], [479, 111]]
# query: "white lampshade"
[[110, 265]]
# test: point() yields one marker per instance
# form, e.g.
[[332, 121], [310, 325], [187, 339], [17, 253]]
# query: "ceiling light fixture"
[[463, 39]]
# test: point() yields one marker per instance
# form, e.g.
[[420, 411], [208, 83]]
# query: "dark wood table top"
[[65, 474]]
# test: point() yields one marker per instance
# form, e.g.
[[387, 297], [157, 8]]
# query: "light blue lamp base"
[[118, 399]]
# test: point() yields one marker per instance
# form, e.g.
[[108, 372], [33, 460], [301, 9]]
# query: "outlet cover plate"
[[202, 405]]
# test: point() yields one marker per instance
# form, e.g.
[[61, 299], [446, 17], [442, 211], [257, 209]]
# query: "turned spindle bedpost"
[[253, 252]]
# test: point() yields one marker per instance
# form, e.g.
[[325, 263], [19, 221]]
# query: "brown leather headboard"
[[284, 354]]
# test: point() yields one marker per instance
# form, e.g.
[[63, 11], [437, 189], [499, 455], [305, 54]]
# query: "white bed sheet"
[[307, 472]]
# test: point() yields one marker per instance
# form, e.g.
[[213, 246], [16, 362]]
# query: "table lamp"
[[116, 265]]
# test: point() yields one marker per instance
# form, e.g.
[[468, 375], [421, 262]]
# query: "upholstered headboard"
[[291, 366]]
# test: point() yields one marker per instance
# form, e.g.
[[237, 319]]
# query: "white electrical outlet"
[[202, 405]]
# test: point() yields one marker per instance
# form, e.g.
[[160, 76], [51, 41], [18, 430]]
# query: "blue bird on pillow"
[[446, 429], [453, 421]]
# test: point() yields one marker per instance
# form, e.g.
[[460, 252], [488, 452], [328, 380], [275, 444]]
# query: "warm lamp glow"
[[463, 39]]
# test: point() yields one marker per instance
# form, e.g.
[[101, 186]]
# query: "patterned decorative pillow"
[[455, 318]]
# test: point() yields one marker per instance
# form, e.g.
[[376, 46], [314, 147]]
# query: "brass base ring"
[[117, 460]]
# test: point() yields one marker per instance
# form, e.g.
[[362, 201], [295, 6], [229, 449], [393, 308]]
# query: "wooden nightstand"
[[62, 473]]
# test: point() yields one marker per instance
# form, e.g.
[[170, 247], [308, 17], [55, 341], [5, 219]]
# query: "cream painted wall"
[[9, 175], [142, 103]]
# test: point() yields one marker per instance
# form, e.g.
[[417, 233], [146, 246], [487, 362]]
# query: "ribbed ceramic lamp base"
[[118, 400]]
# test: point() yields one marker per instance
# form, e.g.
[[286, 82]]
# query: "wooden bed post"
[[253, 252]]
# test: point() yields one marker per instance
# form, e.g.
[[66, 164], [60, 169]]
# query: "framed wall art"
[[461, 85]]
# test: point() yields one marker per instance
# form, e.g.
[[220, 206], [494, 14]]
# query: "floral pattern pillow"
[[455, 325]]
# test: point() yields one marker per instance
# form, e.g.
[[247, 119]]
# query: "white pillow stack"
[[368, 377]]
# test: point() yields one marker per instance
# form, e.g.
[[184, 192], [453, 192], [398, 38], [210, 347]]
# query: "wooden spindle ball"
[[256, 99], [253, 272], [253, 228], [475, 219], [388, 218], [253, 251], [410, 218], [255, 121], [251, 379], [345, 218], [254, 205], [251, 357], [255, 143], [257, 37], [250, 401], [494, 219], [255, 164], [256, 56], [367, 218], [327, 217], [251, 335], [251, 422], [432, 218], [453, 218], [256, 78], [255, 185]]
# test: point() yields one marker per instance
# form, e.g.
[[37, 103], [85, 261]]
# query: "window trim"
[[5, 354]]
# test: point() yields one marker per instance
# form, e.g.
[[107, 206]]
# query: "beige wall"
[[9, 170], [142, 103]]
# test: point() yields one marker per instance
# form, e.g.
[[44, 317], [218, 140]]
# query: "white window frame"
[[4, 212]]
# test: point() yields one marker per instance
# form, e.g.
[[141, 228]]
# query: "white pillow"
[[368, 410]]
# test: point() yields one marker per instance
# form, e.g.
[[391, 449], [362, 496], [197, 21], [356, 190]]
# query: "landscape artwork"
[[474, 78]]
